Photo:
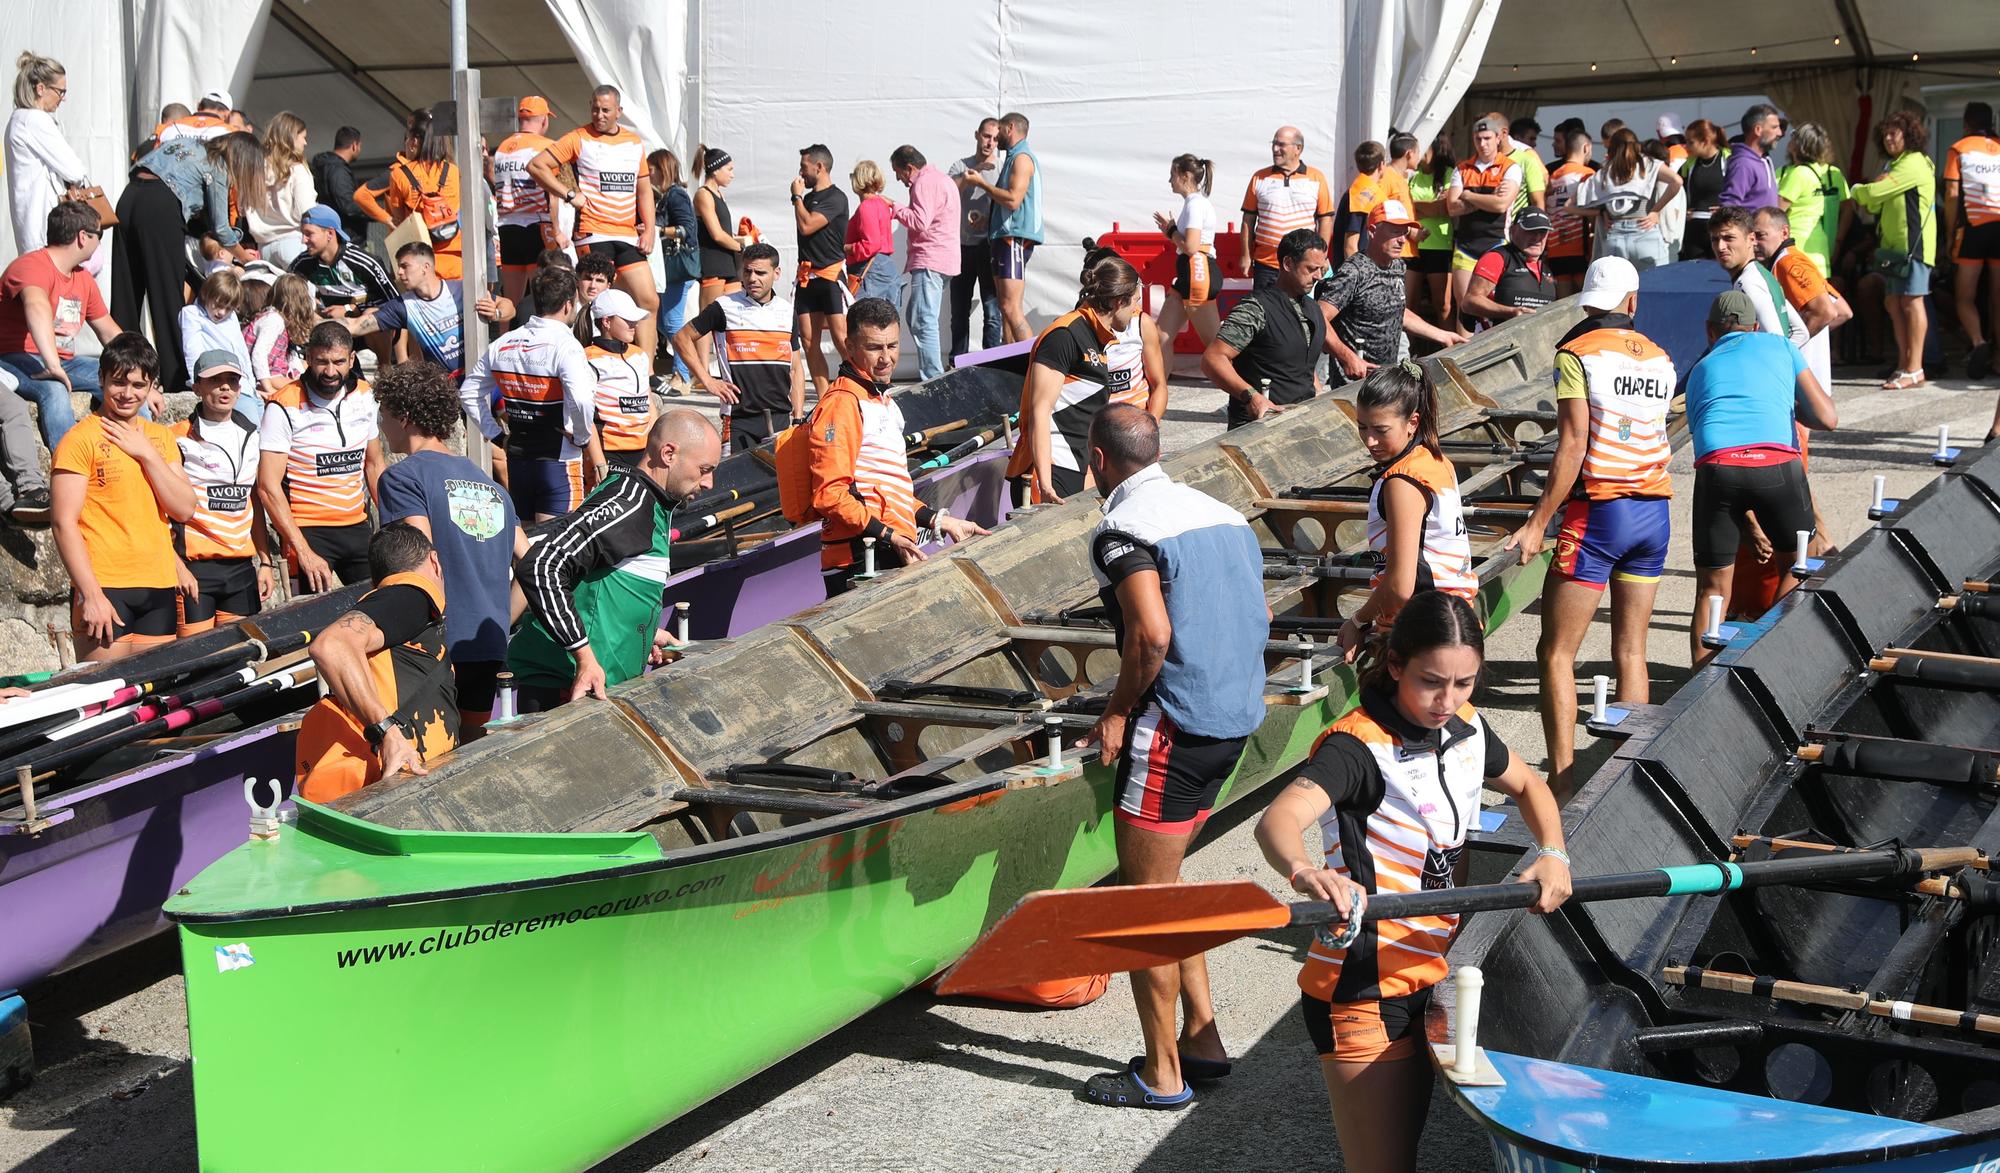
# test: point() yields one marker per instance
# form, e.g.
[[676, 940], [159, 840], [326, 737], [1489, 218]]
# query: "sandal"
[[1906, 381], [1194, 1069], [1124, 1089]]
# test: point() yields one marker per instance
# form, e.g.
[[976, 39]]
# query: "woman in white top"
[[1197, 278], [41, 165], [1628, 194], [275, 225]]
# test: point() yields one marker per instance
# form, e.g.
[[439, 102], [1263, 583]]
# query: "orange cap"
[[1390, 211], [532, 106]]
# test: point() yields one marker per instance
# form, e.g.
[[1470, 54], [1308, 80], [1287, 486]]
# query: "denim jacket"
[[201, 184]]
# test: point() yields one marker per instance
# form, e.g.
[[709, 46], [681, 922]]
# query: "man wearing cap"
[[527, 224], [226, 563], [625, 409], [1609, 480], [429, 311], [345, 279], [1750, 180], [1481, 200], [1364, 300], [1743, 398], [1668, 128], [1512, 280]]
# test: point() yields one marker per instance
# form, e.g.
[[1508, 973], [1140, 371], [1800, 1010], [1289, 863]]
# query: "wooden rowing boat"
[[784, 829], [1787, 1028]]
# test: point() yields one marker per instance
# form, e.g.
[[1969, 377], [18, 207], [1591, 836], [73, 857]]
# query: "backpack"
[[792, 449], [440, 217]]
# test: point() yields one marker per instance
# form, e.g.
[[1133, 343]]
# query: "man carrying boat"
[[1190, 691], [391, 701], [594, 581], [858, 462], [1610, 480]]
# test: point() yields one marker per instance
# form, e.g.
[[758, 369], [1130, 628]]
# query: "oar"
[[1977, 587], [701, 525], [1832, 997], [923, 437], [1078, 932], [967, 447], [1948, 668]]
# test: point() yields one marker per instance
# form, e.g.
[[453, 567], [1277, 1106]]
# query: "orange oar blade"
[[1083, 931]]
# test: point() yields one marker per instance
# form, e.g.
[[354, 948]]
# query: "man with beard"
[[594, 579], [320, 463]]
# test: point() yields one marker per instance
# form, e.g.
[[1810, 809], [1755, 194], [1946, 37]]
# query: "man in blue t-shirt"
[[1745, 399], [432, 311], [468, 517]]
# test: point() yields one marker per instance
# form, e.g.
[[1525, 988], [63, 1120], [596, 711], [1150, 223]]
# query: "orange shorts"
[[1367, 1031]]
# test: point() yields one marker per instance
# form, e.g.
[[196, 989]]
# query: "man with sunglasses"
[[46, 298]]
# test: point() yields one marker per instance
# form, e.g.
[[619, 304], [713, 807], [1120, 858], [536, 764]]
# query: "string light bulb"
[[1836, 41], [1913, 56], [1753, 50], [1673, 61], [1593, 67]]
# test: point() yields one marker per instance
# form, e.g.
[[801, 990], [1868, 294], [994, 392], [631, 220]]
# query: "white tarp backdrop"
[[189, 47]]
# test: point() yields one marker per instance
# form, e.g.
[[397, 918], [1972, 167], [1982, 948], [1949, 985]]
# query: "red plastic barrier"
[[1152, 253]]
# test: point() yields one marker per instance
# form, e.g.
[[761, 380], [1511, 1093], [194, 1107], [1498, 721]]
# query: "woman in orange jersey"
[[1415, 521], [1393, 789], [424, 183], [1070, 379]]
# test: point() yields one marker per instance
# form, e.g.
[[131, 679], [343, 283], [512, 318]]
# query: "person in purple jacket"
[[1750, 181]]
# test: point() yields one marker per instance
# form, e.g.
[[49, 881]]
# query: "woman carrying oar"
[[1416, 522], [1394, 789]]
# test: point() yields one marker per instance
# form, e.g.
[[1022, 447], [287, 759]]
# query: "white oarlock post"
[[1804, 537], [1943, 452], [1305, 663], [1713, 630], [1052, 727], [681, 620], [1601, 688], [868, 554], [1881, 485], [1465, 1030]]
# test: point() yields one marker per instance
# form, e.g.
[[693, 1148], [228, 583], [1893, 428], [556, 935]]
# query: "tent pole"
[[472, 227]]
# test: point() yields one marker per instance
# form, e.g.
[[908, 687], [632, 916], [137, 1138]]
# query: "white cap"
[[1607, 283], [1668, 126], [219, 98], [616, 303]]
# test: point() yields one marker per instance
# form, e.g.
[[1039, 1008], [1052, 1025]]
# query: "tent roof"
[[1579, 50]]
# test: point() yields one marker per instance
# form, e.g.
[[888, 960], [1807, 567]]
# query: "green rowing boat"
[[597, 919]]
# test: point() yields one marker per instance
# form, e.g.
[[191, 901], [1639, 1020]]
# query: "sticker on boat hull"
[[237, 956]]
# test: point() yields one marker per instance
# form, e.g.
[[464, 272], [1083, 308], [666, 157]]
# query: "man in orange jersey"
[[1816, 306], [320, 463], [1284, 196], [1481, 200], [860, 468], [761, 380], [118, 483], [1366, 190], [1610, 481], [625, 409], [225, 548], [613, 198], [1569, 245], [527, 223], [391, 702], [1972, 199]]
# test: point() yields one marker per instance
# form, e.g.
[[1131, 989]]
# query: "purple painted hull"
[[94, 880]]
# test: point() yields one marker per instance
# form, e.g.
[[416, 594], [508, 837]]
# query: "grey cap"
[[1491, 124], [1733, 310], [214, 362]]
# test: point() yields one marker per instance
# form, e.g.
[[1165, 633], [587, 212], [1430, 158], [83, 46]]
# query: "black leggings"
[[148, 269], [1723, 493]]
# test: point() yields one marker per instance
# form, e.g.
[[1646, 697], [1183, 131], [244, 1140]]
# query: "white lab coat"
[[40, 166]]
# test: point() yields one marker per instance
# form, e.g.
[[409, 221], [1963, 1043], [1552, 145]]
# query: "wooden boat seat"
[[942, 617]]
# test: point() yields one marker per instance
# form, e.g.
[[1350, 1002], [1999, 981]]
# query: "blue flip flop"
[[1124, 1089], [1194, 1069]]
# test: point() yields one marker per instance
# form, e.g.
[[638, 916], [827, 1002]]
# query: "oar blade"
[[1083, 931]]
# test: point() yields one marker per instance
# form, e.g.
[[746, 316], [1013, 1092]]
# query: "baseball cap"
[[1668, 125], [1390, 211], [214, 362], [616, 303], [1532, 219], [321, 216], [532, 105], [219, 98], [1490, 124], [1607, 282], [1733, 309]]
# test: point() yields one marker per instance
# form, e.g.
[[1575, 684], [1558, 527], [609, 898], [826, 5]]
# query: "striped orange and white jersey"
[[608, 167], [1975, 162], [1077, 346], [1401, 829], [325, 442], [1571, 237], [1628, 383], [1281, 203], [520, 200], [1125, 362], [220, 459], [1447, 551], [859, 467], [546, 387], [201, 125], [754, 346], [625, 410]]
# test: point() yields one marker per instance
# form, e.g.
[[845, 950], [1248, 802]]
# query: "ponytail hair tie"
[[1411, 368]]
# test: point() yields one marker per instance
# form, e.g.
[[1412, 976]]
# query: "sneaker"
[[1979, 363], [31, 508]]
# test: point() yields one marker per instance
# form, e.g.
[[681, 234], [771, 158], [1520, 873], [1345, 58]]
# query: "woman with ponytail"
[[1416, 524], [716, 232], [1070, 379], [1197, 278], [1395, 781]]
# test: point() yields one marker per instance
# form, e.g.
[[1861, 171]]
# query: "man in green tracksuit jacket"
[[594, 580]]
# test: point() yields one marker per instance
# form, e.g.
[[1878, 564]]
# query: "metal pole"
[[472, 225], [457, 36]]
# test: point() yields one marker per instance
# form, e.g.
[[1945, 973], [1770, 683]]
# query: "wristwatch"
[[797, 198], [380, 729]]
